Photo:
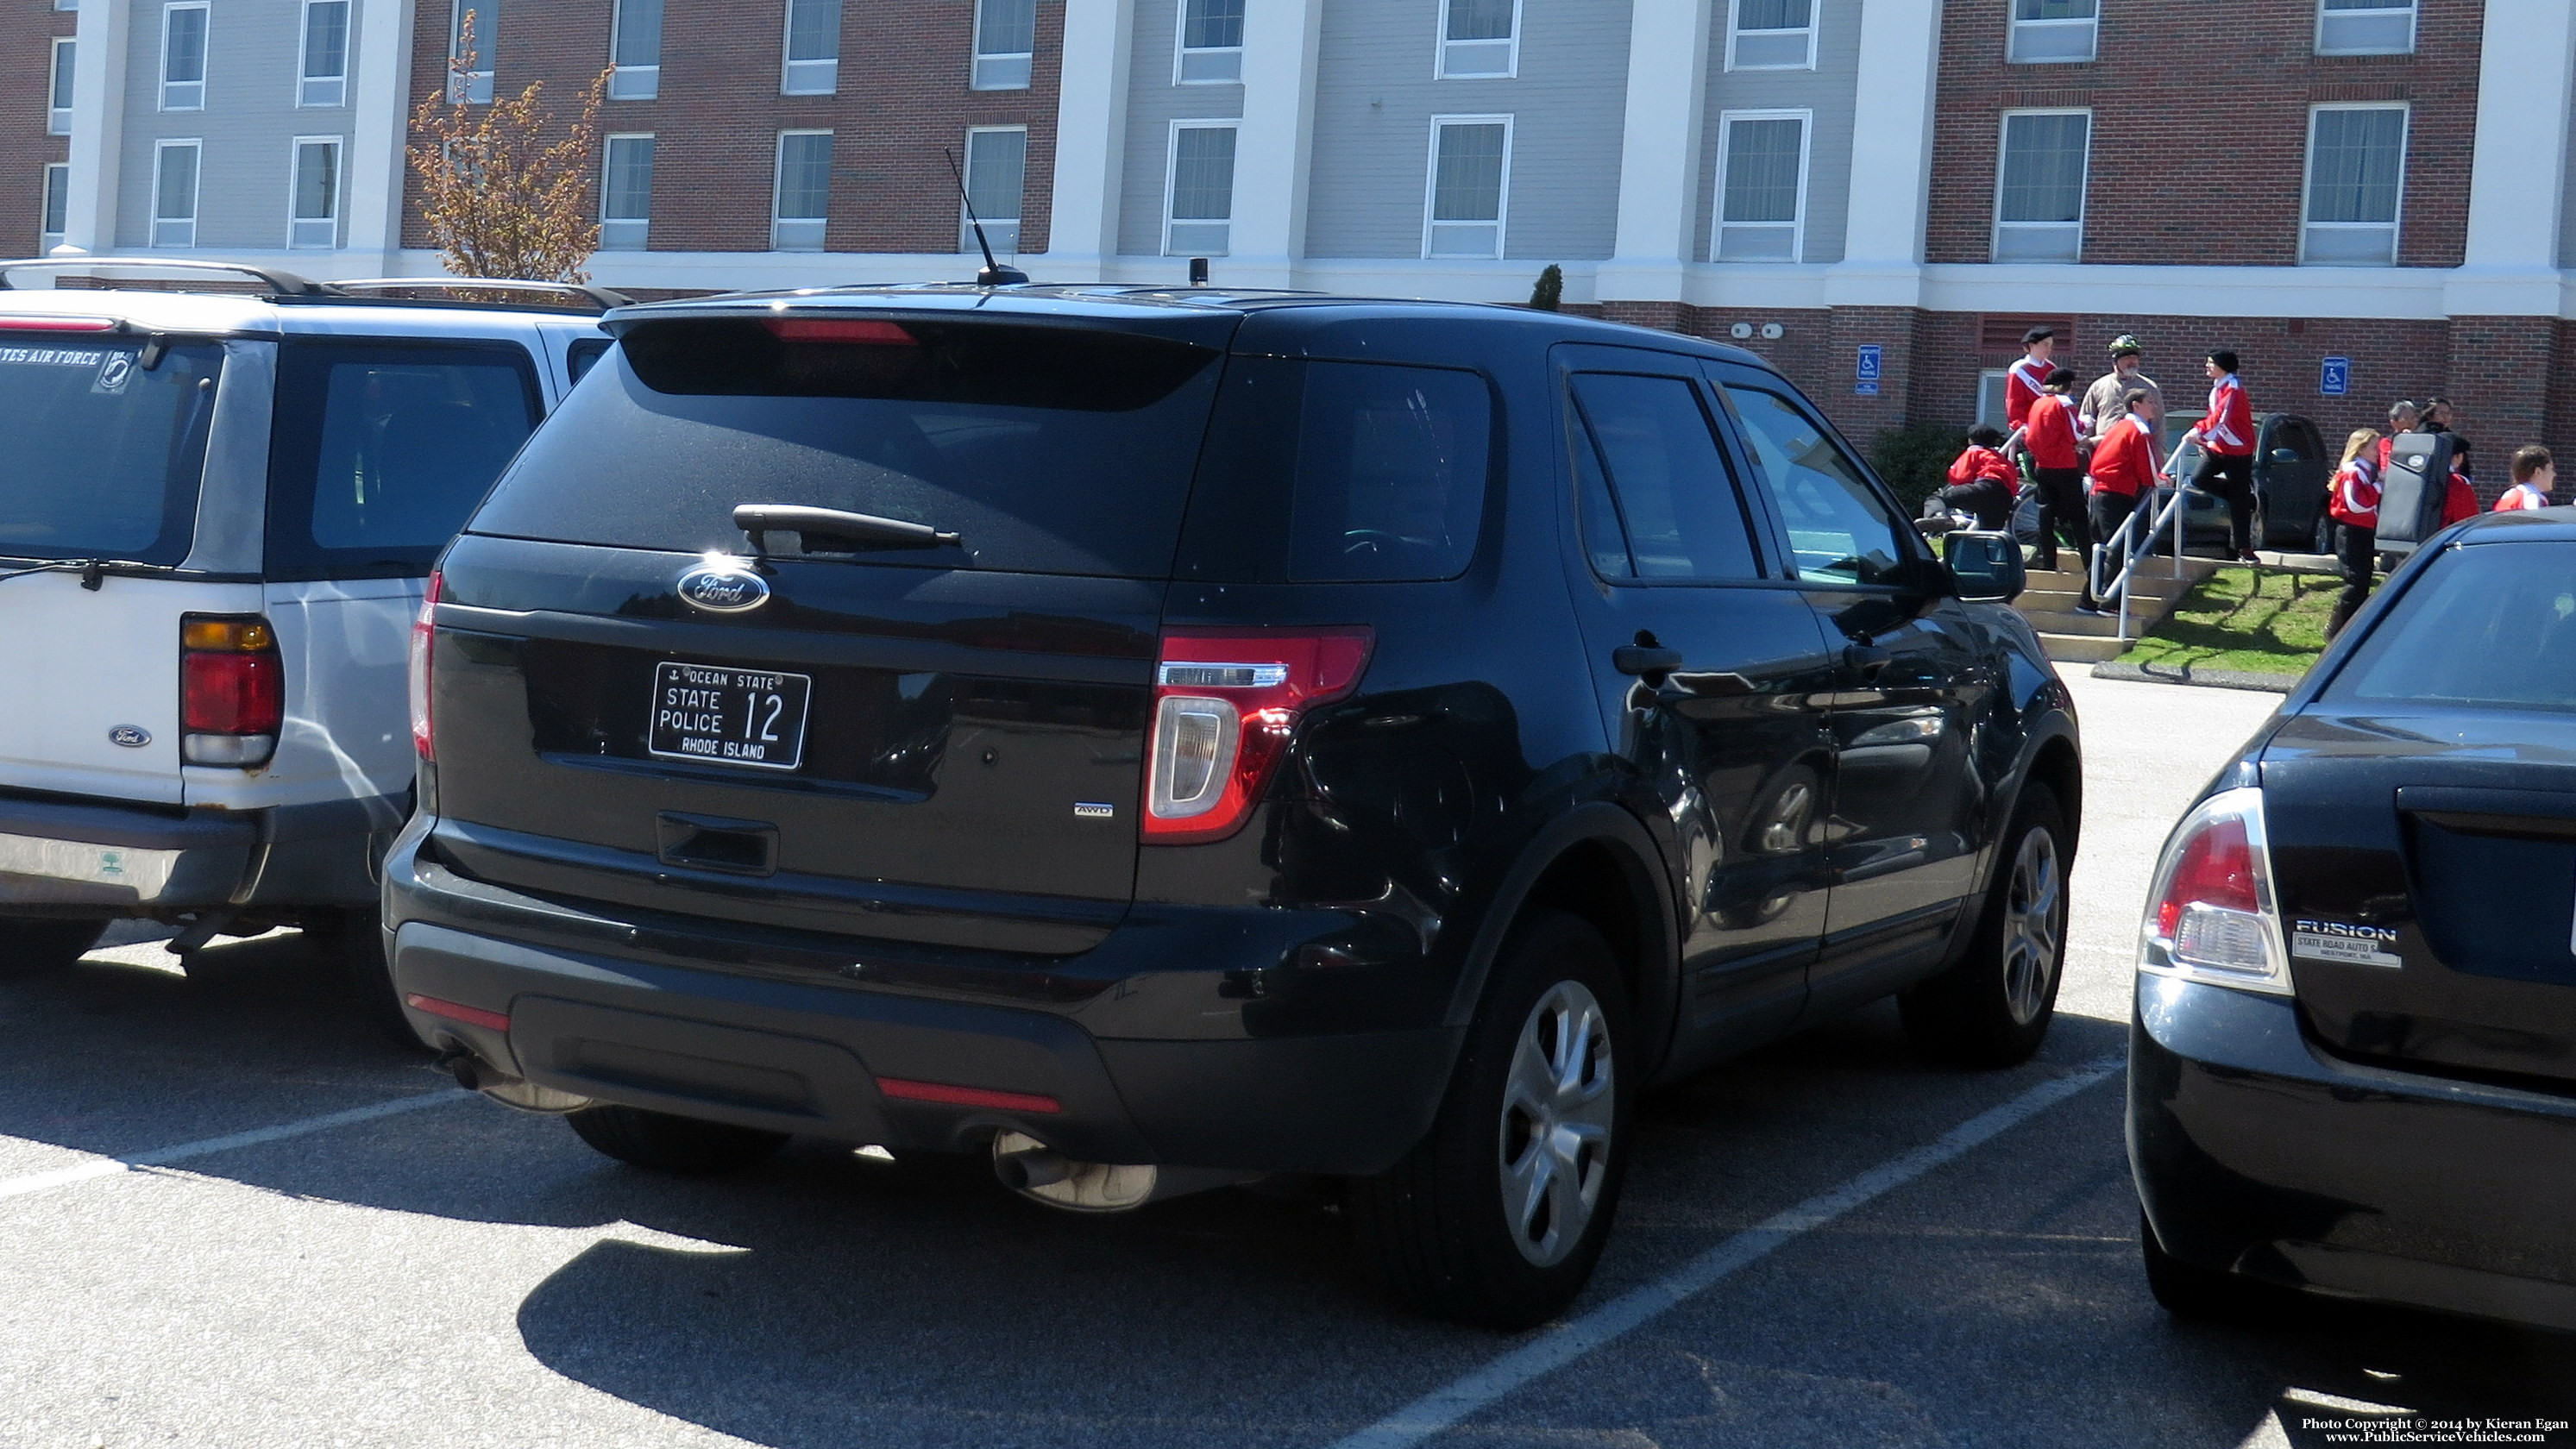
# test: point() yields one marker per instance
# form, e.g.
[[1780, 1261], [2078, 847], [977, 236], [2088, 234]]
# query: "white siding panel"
[[1829, 91], [1153, 103], [249, 124]]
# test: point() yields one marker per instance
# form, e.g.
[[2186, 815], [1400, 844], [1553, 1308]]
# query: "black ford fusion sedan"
[[2353, 1058]]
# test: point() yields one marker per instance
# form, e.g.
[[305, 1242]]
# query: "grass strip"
[[2268, 621]]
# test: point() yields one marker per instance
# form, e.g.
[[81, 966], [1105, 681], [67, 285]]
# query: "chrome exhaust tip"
[[477, 1075]]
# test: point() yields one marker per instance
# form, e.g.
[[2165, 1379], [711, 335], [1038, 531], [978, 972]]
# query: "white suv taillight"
[[424, 631], [2212, 915], [1225, 703], [232, 690]]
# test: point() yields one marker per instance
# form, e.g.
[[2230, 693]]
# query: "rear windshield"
[[1048, 449], [103, 454], [2492, 624]]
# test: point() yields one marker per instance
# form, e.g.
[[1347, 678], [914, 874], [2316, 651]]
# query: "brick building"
[[2376, 184]]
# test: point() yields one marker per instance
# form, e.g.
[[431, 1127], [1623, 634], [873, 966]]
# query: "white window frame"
[[58, 78], [478, 82], [1990, 383], [196, 193], [2015, 28], [57, 182], [1181, 52], [632, 82], [1815, 22], [999, 70], [323, 91], [174, 96], [1718, 223], [628, 233], [1502, 196], [802, 77], [296, 225], [1171, 185], [1441, 44], [67, 4], [778, 191], [2396, 224], [2414, 12], [2083, 193], [965, 233]]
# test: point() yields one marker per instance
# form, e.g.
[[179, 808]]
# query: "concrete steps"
[[2073, 638]]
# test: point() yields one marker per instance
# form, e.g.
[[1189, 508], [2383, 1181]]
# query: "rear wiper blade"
[[92, 571], [830, 530]]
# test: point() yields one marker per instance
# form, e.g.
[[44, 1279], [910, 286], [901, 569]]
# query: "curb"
[[2187, 674]]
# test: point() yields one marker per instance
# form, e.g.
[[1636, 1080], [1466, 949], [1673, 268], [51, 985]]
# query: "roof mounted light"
[[859, 330], [16, 323]]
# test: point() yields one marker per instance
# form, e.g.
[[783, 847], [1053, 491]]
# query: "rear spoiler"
[[273, 284]]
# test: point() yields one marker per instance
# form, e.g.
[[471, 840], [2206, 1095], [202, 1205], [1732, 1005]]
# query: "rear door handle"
[[1644, 659]]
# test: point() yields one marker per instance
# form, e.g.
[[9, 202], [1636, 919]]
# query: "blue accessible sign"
[[2334, 376], [1873, 359]]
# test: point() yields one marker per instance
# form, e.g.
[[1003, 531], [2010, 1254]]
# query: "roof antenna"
[[994, 273]]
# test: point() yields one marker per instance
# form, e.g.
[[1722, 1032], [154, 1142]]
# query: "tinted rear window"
[[103, 455], [1342, 472], [2490, 625], [1049, 449]]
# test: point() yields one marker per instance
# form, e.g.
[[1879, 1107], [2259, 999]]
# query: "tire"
[[354, 944], [1992, 1008], [1445, 1225], [2326, 533], [682, 1146], [2187, 1290], [40, 945]]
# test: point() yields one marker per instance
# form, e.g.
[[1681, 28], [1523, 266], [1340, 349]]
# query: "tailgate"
[[94, 682]]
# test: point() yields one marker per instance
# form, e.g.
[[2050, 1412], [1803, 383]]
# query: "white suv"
[[218, 512]]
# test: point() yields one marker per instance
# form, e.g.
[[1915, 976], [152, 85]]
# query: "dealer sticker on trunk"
[[2340, 941]]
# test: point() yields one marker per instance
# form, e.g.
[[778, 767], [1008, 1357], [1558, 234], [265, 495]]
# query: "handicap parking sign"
[[1872, 359], [2334, 377]]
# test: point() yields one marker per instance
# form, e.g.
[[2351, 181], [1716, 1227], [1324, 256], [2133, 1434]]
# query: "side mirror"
[[1985, 568]]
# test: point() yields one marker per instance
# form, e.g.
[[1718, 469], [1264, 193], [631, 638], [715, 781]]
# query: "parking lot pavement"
[[446, 1272]]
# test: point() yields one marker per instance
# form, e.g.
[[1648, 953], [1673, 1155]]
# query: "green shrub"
[[1915, 459], [1550, 290]]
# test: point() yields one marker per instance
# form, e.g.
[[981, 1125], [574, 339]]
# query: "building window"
[[174, 193], [2366, 27], [1771, 35], [1470, 186], [626, 193], [804, 191], [635, 51], [477, 56], [2039, 189], [997, 171], [1006, 44], [1479, 39], [322, 79], [2046, 32], [58, 205], [183, 57], [1200, 208], [58, 107], [313, 215], [1761, 186], [1211, 44], [67, 4], [2356, 175], [813, 48]]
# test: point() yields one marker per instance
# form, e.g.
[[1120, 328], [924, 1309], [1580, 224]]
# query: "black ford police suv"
[[1167, 738]]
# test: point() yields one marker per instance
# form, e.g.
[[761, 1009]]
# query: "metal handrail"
[[2173, 510], [284, 284], [600, 297]]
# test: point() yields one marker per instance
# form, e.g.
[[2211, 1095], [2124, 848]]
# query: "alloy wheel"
[[1558, 1103], [2033, 921]]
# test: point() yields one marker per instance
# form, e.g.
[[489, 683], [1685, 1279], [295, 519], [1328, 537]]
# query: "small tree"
[[498, 199], [1550, 291]]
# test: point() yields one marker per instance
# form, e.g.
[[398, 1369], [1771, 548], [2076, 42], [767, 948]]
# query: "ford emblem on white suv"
[[724, 589], [133, 737]]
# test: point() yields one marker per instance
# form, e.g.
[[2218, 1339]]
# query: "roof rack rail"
[[599, 298], [279, 284]]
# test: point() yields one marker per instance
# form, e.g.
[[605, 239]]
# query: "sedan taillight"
[[232, 690], [424, 635], [1225, 703], [2212, 915]]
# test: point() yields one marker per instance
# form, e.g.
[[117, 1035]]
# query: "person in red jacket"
[[2029, 377], [2352, 501], [2535, 476], [2123, 470], [2048, 440], [2226, 437], [1982, 480]]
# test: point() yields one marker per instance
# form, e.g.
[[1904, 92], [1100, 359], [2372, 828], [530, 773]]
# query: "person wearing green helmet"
[[2104, 402]]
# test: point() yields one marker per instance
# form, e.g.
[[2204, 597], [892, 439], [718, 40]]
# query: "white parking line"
[[162, 1156], [1564, 1344]]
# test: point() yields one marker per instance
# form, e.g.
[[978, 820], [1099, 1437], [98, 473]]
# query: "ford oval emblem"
[[724, 589], [133, 737]]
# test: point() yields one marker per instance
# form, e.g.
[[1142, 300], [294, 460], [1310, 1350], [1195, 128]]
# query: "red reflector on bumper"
[[946, 1095], [470, 1015]]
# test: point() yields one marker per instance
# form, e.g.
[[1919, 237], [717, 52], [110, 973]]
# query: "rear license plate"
[[729, 716]]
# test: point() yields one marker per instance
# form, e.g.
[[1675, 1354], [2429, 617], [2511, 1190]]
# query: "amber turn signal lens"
[[233, 636]]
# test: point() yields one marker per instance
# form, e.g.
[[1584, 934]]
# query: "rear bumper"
[[2254, 1153], [107, 858]]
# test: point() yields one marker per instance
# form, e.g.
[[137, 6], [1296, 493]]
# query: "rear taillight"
[[1225, 703], [2212, 915], [232, 690], [424, 633]]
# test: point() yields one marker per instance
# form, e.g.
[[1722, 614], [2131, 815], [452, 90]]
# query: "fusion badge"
[[2350, 944], [724, 588]]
